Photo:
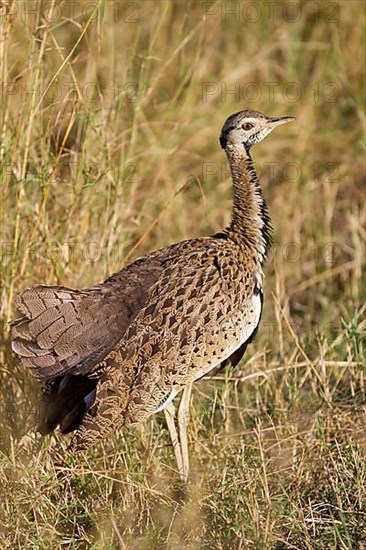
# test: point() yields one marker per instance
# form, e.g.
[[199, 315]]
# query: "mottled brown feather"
[[175, 336], [111, 355]]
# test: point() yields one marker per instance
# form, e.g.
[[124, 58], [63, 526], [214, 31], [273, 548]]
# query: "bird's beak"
[[276, 121]]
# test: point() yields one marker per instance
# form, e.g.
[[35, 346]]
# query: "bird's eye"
[[247, 126]]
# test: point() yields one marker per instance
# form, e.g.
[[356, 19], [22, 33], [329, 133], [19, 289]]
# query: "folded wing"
[[66, 331]]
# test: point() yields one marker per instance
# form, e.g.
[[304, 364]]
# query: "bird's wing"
[[192, 309], [67, 331]]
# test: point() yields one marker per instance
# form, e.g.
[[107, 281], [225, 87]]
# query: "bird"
[[112, 355]]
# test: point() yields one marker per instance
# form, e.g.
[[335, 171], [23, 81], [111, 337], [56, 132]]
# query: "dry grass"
[[109, 149]]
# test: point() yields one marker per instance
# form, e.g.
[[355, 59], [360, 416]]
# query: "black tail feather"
[[65, 401]]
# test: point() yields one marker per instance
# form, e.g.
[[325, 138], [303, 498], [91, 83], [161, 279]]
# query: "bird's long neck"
[[250, 224]]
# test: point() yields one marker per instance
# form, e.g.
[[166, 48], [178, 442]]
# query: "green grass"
[[115, 153]]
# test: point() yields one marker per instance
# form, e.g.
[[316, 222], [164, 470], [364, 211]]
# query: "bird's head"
[[245, 128]]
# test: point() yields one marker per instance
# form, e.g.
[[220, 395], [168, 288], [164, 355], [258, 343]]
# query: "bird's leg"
[[169, 412], [183, 419]]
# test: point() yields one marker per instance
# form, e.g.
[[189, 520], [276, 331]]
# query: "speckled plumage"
[[112, 355]]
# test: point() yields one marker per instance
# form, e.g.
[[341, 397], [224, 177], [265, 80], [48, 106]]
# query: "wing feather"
[[68, 331]]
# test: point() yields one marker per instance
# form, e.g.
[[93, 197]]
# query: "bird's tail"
[[65, 401]]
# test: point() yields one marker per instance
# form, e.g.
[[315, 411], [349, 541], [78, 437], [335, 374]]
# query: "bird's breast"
[[232, 333]]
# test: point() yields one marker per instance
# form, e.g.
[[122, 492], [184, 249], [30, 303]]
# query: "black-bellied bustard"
[[114, 354]]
